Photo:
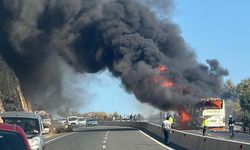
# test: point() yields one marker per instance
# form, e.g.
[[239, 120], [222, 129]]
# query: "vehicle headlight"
[[35, 143]]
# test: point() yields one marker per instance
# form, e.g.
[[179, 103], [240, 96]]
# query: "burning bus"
[[214, 110], [211, 108]]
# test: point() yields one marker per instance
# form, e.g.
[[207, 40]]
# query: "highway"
[[101, 138]]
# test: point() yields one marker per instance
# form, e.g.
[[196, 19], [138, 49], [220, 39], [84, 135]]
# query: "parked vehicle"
[[81, 121], [63, 121], [32, 125], [72, 120], [12, 137], [91, 122]]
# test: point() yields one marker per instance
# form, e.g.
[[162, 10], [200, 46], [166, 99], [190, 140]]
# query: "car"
[[12, 137], [81, 121], [32, 125], [91, 122], [72, 120]]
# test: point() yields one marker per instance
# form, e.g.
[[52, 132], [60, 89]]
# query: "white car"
[[92, 122], [31, 124], [81, 121]]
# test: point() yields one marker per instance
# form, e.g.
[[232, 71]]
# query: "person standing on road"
[[166, 127], [204, 124], [231, 123]]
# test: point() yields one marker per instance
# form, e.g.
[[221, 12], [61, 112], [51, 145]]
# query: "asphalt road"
[[104, 138], [241, 137]]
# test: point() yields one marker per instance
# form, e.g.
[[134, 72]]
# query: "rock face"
[[11, 96]]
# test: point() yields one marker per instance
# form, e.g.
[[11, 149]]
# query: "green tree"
[[230, 91], [233, 108], [243, 89], [244, 95], [116, 115]]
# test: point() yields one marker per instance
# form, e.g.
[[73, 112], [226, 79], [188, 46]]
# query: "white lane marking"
[[156, 141], [104, 142], [104, 146], [58, 138], [105, 138]]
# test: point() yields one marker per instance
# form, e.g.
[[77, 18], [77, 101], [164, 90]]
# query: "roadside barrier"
[[184, 139]]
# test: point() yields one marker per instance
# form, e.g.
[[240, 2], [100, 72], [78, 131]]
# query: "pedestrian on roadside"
[[204, 125], [166, 127], [231, 123]]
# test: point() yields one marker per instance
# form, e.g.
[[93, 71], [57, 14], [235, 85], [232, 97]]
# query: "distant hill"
[[11, 96]]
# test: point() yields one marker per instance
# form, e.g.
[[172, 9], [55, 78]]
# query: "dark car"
[[12, 137]]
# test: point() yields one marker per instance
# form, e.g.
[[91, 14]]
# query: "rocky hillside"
[[11, 96]]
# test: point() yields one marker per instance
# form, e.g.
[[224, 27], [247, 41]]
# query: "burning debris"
[[123, 36], [184, 116]]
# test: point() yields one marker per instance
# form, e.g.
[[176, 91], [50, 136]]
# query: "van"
[[31, 124], [72, 120], [81, 121]]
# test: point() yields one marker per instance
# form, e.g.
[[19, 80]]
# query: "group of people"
[[231, 123], [168, 124]]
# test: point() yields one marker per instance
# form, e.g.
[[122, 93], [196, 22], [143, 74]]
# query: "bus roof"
[[210, 99]]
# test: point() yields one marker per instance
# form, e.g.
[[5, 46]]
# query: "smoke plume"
[[123, 36]]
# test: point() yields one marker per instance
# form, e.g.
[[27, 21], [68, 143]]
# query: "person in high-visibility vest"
[[205, 124], [171, 120]]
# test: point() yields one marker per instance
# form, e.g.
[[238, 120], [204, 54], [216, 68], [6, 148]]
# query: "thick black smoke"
[[123, 36]]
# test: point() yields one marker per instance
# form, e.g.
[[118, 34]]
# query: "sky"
[[213, 29]]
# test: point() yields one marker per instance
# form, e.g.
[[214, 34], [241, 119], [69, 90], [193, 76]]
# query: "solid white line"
[[58, 138], [156, 141]]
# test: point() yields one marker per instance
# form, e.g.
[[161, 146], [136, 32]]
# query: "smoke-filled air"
[[127, 37]]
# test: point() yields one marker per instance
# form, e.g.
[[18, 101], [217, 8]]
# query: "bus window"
[[215, 104]]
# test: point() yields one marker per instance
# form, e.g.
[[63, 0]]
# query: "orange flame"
[[167, 83], [217, 103], [160, 79], [161, 68], [184, 116]]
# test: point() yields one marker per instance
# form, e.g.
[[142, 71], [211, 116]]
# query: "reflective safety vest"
[[171, 120], [205, 123]]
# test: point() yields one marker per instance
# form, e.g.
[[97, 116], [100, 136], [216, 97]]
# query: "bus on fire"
[[214, 110]]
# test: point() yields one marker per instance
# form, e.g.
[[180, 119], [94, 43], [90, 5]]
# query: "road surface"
[[241, 137], [105, 138]]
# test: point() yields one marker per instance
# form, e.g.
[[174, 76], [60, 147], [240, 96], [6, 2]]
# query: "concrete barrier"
[[185, 139]]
